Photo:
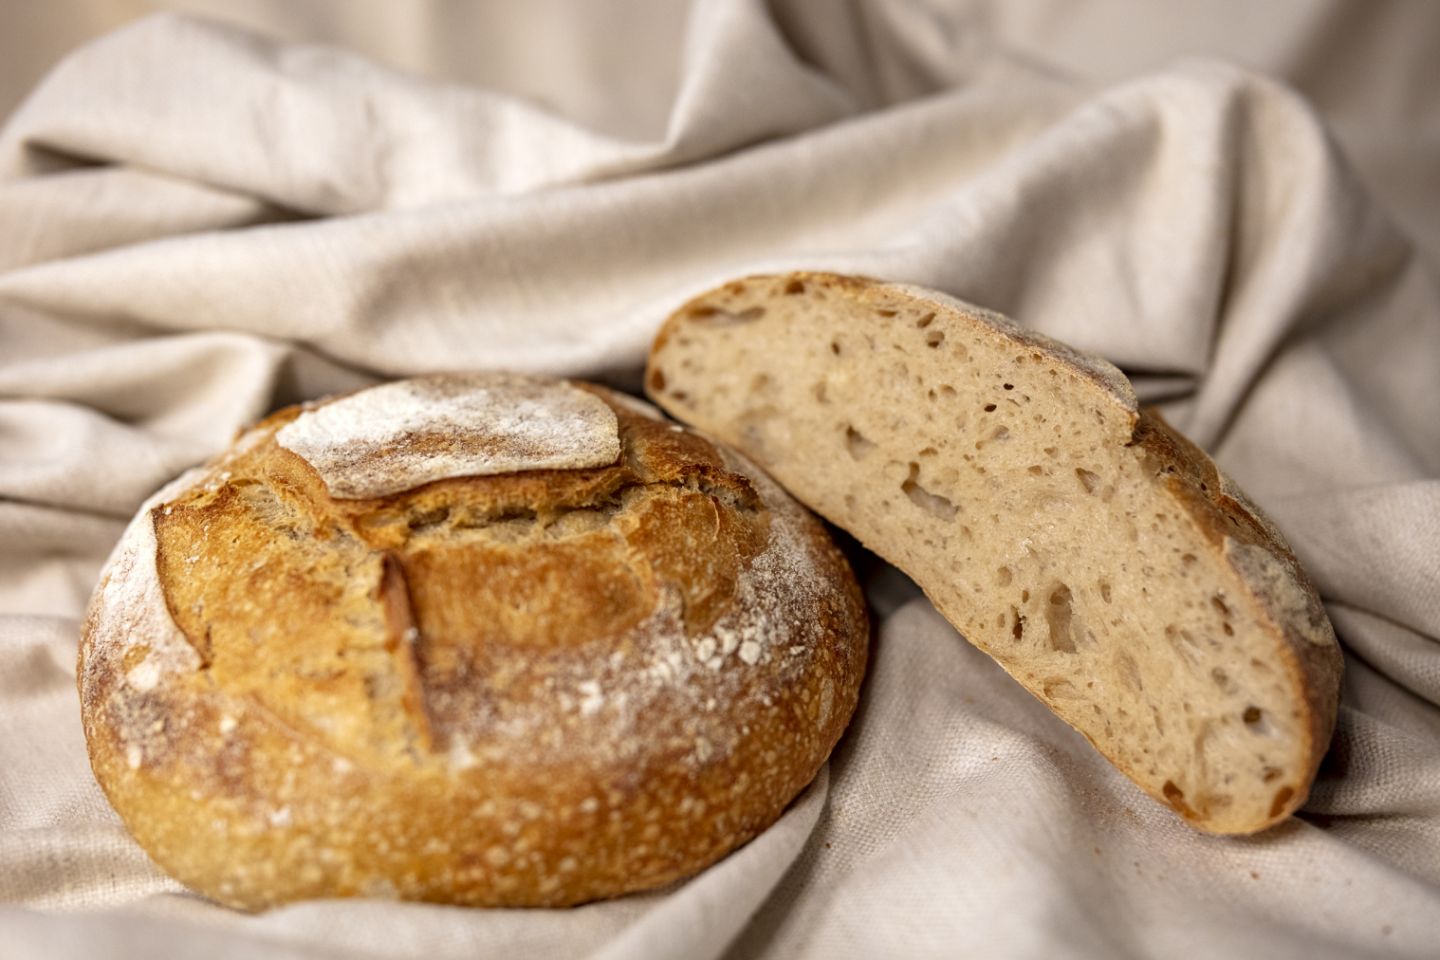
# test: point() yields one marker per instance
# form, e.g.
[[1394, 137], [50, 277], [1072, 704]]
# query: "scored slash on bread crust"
[[1096, 554], [517, 686]]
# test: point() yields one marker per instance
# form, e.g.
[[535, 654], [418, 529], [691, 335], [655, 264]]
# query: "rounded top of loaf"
[[464, 593], [402, 435]]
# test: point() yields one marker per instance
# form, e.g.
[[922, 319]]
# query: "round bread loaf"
[[477, 639]]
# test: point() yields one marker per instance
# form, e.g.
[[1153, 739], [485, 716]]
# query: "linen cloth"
[[199, 224]]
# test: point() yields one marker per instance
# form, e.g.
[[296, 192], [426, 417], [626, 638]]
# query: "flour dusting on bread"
[[401, 435], [129, 628], [778, 613], [129, 613]]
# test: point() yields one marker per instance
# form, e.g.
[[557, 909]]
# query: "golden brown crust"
[[1276, 581], [533, 688]]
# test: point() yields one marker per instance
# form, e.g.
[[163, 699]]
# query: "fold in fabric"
[[199, 224]]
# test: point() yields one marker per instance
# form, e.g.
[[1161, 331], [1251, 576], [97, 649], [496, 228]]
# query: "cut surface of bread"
[[1096, 554]]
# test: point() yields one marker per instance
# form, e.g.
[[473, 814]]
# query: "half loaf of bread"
[[1099, 556]]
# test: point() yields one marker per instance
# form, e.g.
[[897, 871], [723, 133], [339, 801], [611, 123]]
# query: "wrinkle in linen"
[[199, 224]]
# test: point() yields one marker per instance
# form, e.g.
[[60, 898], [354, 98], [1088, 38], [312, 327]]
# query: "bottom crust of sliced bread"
[[1096, 554]]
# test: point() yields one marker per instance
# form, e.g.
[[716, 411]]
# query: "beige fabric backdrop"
[[198, 223]]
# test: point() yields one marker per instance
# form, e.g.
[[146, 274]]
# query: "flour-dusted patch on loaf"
[[1276, 584], [130, 610], [403, 435], [775, 625], [130, 627]]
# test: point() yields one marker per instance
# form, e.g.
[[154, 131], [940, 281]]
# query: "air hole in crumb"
[[1024, 596], [1282, 797], [1105, 590], [1060, 618], [1219, 604], [819, 391], [657, 380], [1051, 452], [702, 311], [1251, 716], [835, 347], [934, 338], [1188, 558], [1036, 469], [794, 287], [925, 321], [1009, 386], [989, 408], [1222, 680], [929, 452], [760, 382], [856, 443], [1003, 576], [680, 395], [1018, 629], [1001, 433], [946, 390], [886, 313], [931, 503], [1087, 479], [1229, 630]]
